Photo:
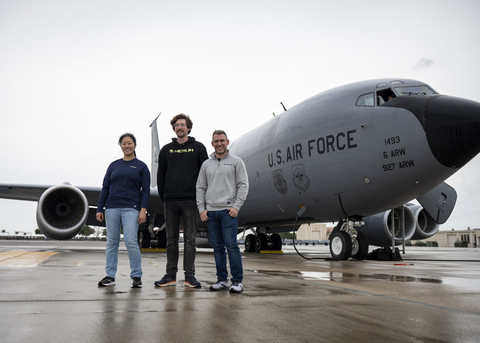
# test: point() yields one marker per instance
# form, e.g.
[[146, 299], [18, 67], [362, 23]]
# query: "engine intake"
[[378, 229], [62, 212], [425, 224]]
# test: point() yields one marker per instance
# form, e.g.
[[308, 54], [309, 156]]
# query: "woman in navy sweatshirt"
[[125, 194]]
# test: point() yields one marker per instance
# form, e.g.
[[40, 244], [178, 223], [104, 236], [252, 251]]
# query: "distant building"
[[449, 237], [313, 232]]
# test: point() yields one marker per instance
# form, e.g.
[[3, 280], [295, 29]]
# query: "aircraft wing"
[[34, 192], [64, 209]]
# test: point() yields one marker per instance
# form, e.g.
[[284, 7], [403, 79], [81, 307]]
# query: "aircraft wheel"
[[143, 239], [340, 245], [360, 246], [277, 241], [261, 242], [250, 243]]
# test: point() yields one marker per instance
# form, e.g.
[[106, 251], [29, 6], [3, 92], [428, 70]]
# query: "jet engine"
[[378, 229], [425, 224], [62, 212]]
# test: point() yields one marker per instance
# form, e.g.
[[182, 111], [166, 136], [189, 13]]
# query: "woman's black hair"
[[127, 135]]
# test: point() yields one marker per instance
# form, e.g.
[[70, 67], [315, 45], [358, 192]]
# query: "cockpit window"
[[414, 90], [385, 95], [366, 100]]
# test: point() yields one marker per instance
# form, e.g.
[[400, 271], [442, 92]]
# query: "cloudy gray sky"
[[74, 75]]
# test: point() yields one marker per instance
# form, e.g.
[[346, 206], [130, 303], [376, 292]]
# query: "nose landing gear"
[[346, 242]]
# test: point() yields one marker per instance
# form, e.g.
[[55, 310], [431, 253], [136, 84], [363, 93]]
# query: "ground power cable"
[[299, 213]]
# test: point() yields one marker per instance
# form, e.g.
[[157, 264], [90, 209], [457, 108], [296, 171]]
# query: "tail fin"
[[155, 152]]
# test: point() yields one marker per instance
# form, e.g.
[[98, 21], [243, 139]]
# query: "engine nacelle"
[[378, 230], [425, 224], [62, 212]]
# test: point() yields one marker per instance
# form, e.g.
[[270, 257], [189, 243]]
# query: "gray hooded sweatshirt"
[[222, 183]]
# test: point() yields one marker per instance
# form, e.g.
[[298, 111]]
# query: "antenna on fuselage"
[[283, 106]]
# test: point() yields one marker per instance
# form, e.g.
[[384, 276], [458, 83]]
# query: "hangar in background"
[[313, 232], [449, 237]]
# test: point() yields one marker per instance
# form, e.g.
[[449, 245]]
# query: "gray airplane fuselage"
[[349, 152], [355, 151]]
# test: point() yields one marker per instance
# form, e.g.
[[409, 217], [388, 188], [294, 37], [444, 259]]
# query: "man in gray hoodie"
[[222, 187]]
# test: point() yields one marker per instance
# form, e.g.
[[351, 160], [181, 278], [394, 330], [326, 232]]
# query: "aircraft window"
[[397, 82], [366, 100], [385, 95], [414, 90], [382, 84]]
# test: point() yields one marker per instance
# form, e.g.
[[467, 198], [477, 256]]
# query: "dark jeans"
[[174, 211], [222, 230]]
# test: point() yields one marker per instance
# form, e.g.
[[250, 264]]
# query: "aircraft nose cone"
[[452, 126]]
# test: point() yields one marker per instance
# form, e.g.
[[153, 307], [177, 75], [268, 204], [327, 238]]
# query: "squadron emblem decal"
[[280, 183], [300, 179]]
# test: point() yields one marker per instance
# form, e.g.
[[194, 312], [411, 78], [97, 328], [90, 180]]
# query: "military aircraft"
[[356, 155]]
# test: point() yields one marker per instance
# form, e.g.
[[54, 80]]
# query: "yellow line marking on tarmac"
[[153, 250], [24, 258], [269, 251]]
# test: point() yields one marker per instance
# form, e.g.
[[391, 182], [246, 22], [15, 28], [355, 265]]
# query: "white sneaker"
[[219, 285], [236, 287]]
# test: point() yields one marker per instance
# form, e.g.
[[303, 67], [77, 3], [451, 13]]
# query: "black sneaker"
[[137, 282], [107, 281], [220, 285], [190, 281], [167, 280], [236, 287]]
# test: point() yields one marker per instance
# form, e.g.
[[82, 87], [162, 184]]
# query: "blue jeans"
[[115, 219], [222, 230], [174, 211]]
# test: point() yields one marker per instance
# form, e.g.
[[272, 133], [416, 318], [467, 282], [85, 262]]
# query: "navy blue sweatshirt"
[[126, 185], [178, 168]]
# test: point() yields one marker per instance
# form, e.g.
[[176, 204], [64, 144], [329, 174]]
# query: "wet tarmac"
[[433, 295]]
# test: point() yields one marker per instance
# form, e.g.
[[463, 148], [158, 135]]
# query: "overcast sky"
[[75, 75]]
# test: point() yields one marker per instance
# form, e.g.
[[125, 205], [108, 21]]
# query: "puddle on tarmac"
[[346, 277]]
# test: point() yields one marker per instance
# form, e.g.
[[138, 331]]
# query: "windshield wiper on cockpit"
[[413, 93]]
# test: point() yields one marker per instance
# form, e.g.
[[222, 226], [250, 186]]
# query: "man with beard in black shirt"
[[178, 167]]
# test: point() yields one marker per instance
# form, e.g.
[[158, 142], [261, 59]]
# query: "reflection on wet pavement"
[[346, 277]]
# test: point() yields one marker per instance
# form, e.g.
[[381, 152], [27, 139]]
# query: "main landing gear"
[[346, 242], [261, 241], [147, 237]]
